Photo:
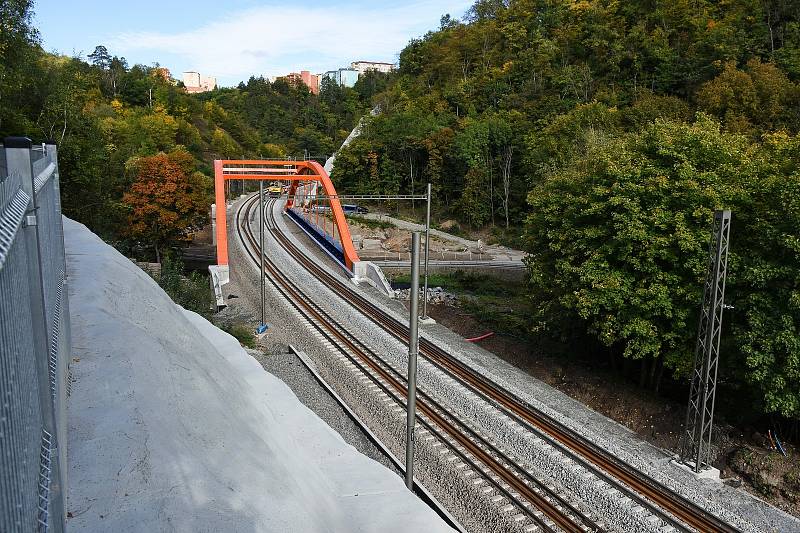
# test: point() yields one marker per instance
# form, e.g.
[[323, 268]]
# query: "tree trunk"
[[771, 36], [643, 374], [507, 153], [653, 368], [64, 131], [659, 376], [158, 253], [485, 52], [491, 185], [411, 166]]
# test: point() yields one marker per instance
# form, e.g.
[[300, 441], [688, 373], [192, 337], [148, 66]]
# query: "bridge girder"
[[294, 171]]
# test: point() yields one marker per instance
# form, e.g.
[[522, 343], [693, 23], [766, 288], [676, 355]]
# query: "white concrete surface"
[[174, 427]]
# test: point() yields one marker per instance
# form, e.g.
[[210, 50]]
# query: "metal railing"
[[34, 340]]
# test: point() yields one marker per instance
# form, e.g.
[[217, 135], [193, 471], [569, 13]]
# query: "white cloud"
[[274, 40]]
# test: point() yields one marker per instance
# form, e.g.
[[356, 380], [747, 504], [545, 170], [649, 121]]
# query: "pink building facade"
[[311, 81]]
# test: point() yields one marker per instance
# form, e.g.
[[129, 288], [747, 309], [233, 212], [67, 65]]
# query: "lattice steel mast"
[[700, 411]]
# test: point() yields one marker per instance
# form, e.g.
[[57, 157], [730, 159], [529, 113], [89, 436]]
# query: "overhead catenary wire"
[[614, 470]]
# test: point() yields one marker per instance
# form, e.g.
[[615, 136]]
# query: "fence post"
[[60, 482], [427, 251], [52, 155]]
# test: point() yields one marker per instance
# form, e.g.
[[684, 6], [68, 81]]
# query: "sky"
[[235, 39]]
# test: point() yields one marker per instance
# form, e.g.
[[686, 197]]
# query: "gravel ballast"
[[736, 506]]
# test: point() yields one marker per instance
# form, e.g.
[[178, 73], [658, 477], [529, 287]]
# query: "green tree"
[[224, 145], [18, 54], [472, 205], [474, 145], [100, 58], [761, 95], [618, 238], [764, 284]]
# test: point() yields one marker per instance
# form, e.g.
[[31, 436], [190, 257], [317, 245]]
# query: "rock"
[[725, 472], [449, 224], [398, 243], [759, 440], [435, 296], [370, 244], [767, 482]]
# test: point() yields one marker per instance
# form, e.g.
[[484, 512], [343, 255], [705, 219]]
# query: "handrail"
[[43, 176]]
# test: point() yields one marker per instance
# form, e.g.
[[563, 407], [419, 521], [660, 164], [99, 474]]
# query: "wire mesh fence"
[[34, 340]]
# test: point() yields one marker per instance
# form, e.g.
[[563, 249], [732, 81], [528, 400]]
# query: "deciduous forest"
[[598, 136], [127, 136], [603, 135]]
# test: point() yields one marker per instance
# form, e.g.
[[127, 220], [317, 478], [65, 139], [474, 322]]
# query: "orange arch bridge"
[[305, 176]]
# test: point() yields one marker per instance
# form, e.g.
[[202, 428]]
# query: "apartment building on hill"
[[198, 83]]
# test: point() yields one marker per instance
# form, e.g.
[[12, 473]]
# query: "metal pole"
[[261, 241], [696, 440], [427, 251], [413, 346]]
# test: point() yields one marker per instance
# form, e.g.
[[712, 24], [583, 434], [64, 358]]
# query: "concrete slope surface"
[[174, 427]]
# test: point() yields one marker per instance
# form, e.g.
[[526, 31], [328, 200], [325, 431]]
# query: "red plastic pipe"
[[481, 337]]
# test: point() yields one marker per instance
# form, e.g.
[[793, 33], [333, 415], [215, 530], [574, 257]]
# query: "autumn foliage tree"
[[760, 97], [166, 199]]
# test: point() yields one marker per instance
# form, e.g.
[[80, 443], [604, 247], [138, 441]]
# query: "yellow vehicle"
[[275, 190]]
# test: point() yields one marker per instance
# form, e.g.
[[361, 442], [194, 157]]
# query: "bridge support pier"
[[219, 276], [369, 272]]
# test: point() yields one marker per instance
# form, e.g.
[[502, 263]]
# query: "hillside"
[[600, 137], [108, 118]]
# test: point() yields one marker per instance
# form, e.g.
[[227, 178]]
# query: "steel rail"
[[636, 484], [421, 490], [439, 413], [431, 410], [397, 390]]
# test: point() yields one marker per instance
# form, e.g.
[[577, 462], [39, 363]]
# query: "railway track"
[[675, 511], [538, 504]]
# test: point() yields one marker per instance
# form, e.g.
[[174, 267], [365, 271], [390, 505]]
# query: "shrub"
[[191, 292]]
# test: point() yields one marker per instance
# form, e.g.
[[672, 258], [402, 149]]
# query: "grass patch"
[[511, 237], [192, 291], [241, 333], [499, 305], [505, 316], [467, 283]]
